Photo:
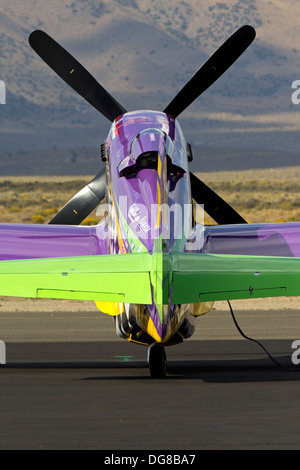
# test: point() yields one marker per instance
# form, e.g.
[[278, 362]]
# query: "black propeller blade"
[[83, 203], [74, 74], [214, 205], [215, 66]]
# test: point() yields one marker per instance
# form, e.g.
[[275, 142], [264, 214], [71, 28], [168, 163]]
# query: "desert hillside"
[[143, 52]]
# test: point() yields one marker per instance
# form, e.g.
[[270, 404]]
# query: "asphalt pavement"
[[70, 383]]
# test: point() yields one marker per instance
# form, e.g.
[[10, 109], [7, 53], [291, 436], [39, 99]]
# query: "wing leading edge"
[[28, 241], [271, 239]]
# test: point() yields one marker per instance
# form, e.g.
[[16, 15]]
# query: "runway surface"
[[70, 383]]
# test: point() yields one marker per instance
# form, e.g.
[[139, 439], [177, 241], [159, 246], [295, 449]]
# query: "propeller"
[[215, 66], [74, 74], [83, 203], [214, 205]]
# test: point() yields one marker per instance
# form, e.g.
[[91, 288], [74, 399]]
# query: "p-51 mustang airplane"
[[152, 272]]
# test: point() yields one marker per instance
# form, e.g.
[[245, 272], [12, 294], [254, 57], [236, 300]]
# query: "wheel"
[[157, 361]]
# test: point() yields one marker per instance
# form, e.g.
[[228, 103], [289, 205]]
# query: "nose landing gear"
[[157, 361]]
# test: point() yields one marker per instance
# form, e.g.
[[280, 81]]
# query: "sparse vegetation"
[[271, 195], [25, 199]]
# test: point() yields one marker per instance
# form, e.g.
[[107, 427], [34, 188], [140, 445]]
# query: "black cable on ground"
[[257, 342]]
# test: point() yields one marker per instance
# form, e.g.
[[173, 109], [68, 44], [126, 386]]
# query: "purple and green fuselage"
[[136, 263], [138, 217]]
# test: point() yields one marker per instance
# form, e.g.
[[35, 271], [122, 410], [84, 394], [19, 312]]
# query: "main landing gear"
[[157, 361]]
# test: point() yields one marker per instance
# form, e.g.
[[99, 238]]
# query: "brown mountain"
[[143, 52]]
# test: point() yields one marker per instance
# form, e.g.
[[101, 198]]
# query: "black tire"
[[157, 360]]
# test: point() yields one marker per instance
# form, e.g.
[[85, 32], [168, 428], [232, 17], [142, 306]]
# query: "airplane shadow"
[[238, 370], [210, 371], [230, 363]]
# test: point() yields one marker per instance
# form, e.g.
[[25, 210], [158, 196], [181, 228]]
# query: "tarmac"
[[70, 383]]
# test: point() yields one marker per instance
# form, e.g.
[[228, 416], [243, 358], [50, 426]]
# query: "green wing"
[[184, 277], [116, 278], [206, 277]]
